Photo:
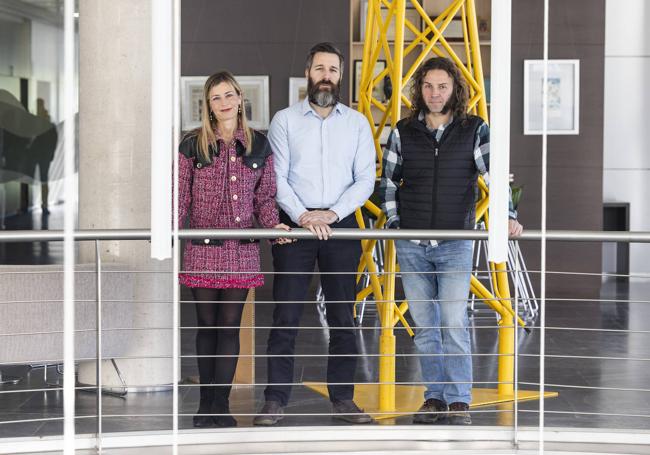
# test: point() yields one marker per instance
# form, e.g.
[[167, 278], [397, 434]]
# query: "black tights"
[[218, 308]]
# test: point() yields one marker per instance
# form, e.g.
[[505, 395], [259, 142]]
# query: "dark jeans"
[[289, 293]]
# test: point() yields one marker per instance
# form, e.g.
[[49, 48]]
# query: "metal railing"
[[531, 235]]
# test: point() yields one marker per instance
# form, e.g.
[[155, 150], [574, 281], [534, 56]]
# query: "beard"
[[446, 108], [321, 95]]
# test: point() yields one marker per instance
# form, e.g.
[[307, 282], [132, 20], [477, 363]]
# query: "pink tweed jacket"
[[230, 192]]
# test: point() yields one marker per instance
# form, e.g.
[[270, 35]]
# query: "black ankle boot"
[[221, 405], [202, 420]]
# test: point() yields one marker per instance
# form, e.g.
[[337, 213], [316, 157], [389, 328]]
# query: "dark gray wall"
[[575, 163], [257, 37]]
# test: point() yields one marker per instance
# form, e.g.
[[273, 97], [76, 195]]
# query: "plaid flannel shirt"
[[391, 175]]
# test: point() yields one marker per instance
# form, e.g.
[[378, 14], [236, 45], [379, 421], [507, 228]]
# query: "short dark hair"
[[326, 47], [459, 98]]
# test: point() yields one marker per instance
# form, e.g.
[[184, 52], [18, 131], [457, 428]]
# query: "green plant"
[[516, 194]]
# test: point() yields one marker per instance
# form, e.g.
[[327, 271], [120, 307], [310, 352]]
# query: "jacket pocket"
[[207, 242]]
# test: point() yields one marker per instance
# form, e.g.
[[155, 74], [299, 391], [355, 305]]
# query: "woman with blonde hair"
[[226, 180]]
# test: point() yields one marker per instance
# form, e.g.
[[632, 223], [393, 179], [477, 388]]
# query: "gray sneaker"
[[459, 414], [348, 411], [270, 414], [430, 412]]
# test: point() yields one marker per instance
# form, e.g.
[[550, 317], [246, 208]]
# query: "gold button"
[[254, 165], [233, 178], [237, 219], [234, 196], [232, 158], [206, 241]]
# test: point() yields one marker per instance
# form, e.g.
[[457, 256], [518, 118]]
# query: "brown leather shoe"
[[270, 414], [431, 411], [459, 414], [348, 411]]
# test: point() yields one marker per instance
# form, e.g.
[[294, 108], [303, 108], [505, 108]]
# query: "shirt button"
[[232, 158], [233, 178], [206, 241], [234, 197], [237, 219]]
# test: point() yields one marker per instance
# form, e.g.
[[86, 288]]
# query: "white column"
[[500, 129], [115, 184], [162, 103]]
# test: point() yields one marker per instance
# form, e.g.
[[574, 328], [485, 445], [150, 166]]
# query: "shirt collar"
[[421, 118], [306, 107]]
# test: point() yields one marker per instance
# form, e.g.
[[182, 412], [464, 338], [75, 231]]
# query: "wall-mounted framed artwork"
[[191, 101], [256, 100], [255, 103], [563, 97], [297, 89]]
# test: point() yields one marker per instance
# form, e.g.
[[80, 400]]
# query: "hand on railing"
[[515, 229], [283, 240]]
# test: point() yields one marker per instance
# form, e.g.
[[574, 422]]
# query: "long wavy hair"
[[459, 99], [205, 133]]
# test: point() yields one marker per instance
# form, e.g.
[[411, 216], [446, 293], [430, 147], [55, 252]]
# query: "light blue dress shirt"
[[322, 163]]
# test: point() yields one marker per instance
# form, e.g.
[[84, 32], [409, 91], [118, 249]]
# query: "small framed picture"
[[297, 89], [255, 103], [563, 106], [256, 100], [191, 101], [378, 91]]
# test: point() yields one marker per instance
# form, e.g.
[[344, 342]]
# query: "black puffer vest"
[[438, 178]]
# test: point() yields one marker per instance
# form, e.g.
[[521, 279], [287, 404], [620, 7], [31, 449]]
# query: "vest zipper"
[[434, 195]]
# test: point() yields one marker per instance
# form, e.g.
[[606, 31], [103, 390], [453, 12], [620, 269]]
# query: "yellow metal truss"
[[431, 40]]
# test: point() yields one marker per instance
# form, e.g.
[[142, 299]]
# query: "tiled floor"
[[593, 392]]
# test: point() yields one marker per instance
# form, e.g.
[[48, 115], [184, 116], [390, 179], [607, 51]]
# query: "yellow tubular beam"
[[482, 185], [476, 57], [506, 369], [483, 293], [399, 316], [481, 208], [372, 208], [493, 279], [437, 37], [443, 42], [387, 338], [467, 53], [398, 59], [362, 225], [365, 292], [379, 105], [375, 283]]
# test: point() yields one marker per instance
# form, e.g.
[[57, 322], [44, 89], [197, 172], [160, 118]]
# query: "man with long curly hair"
[[430, 170]]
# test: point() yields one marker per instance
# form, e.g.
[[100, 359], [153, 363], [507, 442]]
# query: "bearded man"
[[325, 169], [429, 181]]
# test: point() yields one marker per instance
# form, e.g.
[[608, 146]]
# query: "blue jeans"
[[438, 301]]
